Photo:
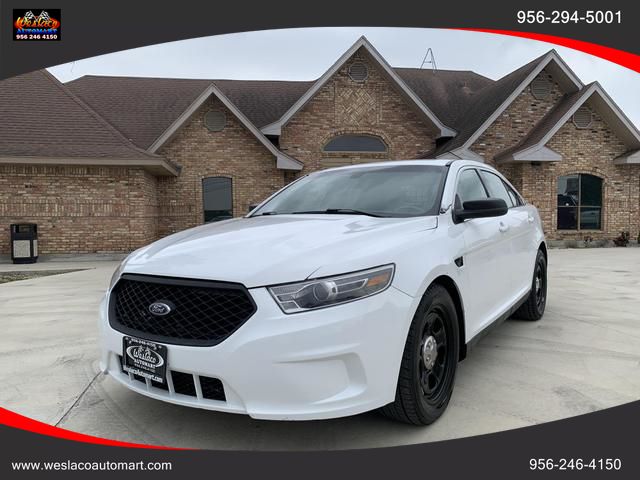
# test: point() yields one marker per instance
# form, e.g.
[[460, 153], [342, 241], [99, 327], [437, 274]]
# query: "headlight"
[[324, 292]]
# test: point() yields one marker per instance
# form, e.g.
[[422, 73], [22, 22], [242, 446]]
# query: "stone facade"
[[344, 106], [233, 152], [590, 151], [80, 209]]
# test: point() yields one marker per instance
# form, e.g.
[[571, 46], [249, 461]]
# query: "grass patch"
[[6, 277]]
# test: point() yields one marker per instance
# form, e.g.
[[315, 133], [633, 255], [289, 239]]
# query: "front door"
[[486, 258]]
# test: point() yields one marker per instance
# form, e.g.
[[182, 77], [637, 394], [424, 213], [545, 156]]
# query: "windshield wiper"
[[342, 211], [265, 213]]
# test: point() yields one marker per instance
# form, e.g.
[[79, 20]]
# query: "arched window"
[[217, 199], [356, 143], [579, 202]]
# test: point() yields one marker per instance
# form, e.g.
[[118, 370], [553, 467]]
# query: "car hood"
[[268, 250]]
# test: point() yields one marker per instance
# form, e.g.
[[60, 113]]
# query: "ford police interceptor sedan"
[[351, 289]]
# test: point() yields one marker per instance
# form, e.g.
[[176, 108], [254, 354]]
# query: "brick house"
[[107, 164]]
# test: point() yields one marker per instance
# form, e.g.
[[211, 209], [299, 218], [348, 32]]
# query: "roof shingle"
[[143, 108], [42, 118]]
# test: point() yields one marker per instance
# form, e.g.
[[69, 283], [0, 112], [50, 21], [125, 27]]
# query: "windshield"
[[381, 191]]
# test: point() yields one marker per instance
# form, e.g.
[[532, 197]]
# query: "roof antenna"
[[429, 58]]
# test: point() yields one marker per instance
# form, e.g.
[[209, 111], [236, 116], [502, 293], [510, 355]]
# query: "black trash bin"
[[24, 243]]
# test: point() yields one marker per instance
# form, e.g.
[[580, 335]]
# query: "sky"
[[305, 53]]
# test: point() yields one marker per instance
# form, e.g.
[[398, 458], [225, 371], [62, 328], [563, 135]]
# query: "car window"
[[381, 190], [515, 198], [469, 188], [496, 187]]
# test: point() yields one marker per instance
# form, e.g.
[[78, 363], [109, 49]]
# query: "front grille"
[[202, 312], [212, 388], [183, 383]]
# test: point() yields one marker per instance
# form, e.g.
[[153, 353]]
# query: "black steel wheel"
[[429, 362], [533, 308]]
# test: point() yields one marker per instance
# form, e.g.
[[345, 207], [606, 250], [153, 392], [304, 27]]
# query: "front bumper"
[[326, 363]]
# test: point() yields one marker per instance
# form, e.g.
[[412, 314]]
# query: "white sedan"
[[349, 290]]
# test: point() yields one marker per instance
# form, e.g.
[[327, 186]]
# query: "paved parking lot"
[[584, 355]]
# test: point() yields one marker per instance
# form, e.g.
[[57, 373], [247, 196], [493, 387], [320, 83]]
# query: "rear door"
[[486, 261], [518, 229]]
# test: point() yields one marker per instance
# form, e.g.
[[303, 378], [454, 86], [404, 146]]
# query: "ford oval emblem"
[[160, 309]]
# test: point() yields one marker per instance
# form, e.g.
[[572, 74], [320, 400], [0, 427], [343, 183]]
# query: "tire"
[[533, 308], [423, 393]]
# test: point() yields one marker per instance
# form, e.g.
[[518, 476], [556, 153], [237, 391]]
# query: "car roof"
[[394, 163]]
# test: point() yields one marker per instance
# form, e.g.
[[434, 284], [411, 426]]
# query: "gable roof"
[[44, 121], [495, 98], [142, 108], [283, 160], [275, 127], [532, 146]]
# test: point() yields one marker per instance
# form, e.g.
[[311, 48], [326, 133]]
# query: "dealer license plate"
[[144, 358]]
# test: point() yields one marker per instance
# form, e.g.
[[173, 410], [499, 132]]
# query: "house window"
[[217, 199], [356, 143], [579, 202]]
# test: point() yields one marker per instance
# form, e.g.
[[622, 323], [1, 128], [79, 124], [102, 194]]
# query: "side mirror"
[[251, 208], [488, 207]]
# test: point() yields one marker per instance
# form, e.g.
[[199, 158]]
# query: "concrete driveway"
[[584, 355]]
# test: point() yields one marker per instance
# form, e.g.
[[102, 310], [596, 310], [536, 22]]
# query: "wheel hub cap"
[[429, 352]]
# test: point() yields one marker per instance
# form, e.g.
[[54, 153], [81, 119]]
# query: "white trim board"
[[541, 154], [632, 158], [275, 128]]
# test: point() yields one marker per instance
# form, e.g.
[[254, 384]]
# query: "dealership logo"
[[145, 356], [37, 24], [160, 309]]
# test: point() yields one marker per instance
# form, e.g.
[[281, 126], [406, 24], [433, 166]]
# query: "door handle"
[[530, 219], [503, 227]]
